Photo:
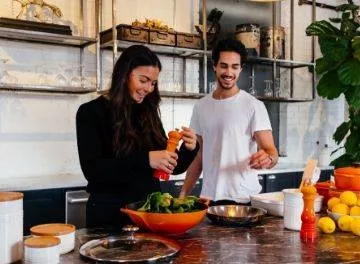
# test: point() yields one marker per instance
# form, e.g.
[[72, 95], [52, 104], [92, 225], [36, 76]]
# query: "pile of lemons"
[[348, 206]]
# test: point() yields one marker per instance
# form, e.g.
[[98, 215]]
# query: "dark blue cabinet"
[[174, 187]]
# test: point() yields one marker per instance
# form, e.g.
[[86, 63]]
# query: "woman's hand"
[[163, 160], [189, 137]]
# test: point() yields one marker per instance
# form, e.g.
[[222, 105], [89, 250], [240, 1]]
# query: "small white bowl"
[[65, 232], [44, 249], [336, 216]]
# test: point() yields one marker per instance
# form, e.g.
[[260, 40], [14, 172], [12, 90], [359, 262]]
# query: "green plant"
[[339, 68]]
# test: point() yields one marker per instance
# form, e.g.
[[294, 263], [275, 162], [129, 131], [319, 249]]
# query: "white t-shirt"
[[227, 127]]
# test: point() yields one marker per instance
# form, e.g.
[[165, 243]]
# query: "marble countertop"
[[68, 180], [266, 243]]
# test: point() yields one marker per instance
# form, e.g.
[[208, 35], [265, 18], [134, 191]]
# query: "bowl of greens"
[[162, 213]]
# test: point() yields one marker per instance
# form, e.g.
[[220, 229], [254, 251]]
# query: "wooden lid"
[[42, 242], [10, 196], [55, 229]]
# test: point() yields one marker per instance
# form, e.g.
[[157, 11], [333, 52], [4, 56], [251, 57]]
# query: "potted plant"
[[339, 71]]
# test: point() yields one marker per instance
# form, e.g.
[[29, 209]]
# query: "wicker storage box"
[[162, 37], [187, 40], [126, 32]]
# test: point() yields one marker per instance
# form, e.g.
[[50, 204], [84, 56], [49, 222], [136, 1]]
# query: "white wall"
[[302, 125]]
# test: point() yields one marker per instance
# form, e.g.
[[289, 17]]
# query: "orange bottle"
[[172, 143], [308, 219]]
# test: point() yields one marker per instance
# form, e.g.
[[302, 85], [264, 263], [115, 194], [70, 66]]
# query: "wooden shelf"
[[47, 88], [181, 95], [45, 38], [160, 49]]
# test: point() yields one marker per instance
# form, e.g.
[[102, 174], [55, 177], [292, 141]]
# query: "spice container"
[[38, 250], [65, 232], [272, 42], [249, 35], [11, 226]]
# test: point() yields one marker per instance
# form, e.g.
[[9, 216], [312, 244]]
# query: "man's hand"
[[261, 160]]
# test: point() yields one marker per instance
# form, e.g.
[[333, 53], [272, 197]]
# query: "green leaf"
[[348, 27], [355, 43], [334, 48], [345, 7], [322, 28], [335, 19], [349, 72], [323, 65], [341, 132], [329, 85], [342, 161], [352, 144], [352, 96]]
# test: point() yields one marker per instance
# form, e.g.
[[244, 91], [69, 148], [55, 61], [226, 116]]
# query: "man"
[[234, 132]]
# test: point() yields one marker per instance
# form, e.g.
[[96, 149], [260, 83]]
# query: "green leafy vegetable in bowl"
[[158, 202]]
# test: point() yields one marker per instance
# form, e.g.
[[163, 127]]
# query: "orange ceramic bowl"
[[347, 181], [176, 223]]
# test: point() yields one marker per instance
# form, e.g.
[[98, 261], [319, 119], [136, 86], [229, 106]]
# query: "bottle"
[[308, 219], [324, 157], [172, 143]]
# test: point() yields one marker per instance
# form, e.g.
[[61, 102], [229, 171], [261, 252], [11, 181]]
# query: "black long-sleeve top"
[[130, 176]]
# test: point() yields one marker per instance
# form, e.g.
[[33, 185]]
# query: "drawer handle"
[[189, 38], [272, 177], [78, 200], [135, 32], [260, 178], [179, 183]]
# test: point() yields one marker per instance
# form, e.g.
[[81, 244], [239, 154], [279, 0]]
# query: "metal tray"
[[235, 215], [140, 247]]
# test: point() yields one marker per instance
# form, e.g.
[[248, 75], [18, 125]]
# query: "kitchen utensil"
[[308, 172], [176, 223], [347, 179], [42, 250], [293, 207], [11, 226], [130, 247], [273, 202], [235, 215], [66, 233]]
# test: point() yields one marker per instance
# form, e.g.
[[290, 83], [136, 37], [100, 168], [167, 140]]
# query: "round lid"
[[139, 247], [55, 229], [42, 242], [10, 196]]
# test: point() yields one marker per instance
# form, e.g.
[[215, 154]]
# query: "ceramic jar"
[[39, 250], [11, 226]]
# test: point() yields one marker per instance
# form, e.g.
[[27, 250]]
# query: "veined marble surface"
[[269, 242]]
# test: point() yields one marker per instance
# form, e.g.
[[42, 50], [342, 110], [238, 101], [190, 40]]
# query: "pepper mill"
[[308, 219], [172, 143]]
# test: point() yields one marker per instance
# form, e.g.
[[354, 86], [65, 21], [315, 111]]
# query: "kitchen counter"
[[266, 243]]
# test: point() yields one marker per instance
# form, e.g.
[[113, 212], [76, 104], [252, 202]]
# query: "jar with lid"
[[11, 226], [249, 35], [39, 250]]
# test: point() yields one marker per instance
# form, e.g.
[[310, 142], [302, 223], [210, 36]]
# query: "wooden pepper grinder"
[[308, 219], [172, 143]]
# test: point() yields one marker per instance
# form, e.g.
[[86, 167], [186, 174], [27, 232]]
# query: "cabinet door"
[[278, 182], [174, 187], [43, 206], [325, 175]]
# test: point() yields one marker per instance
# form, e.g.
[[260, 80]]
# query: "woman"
[[121, 139]]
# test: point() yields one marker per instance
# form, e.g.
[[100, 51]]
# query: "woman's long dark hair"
[[135, 126]]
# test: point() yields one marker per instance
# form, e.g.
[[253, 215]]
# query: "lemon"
[[355, 226], [349, 198], [355, 211], [332, 201], [326, 225], [344, 222], [358, 202], [340, 208]]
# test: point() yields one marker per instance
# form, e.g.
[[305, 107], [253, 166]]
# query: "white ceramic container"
[[11, 226], [293, 207], [65, 232], [273, 202], [40, 250]]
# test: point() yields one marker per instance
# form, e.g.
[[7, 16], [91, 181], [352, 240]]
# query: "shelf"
[[181, 95], [280, 63], [284, 100], [161, 49], [45, 38], [47, 88]]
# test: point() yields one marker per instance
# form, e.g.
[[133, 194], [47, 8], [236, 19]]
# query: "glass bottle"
[[252, 89]]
